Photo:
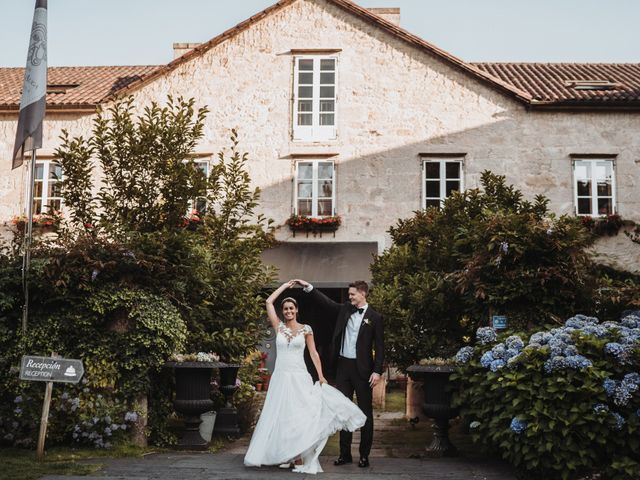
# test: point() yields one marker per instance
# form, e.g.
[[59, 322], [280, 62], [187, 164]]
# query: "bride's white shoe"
[[286, 465]]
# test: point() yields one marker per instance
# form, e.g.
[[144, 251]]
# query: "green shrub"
[[562, 404], [133, 276], [486, 251], [121, 363]]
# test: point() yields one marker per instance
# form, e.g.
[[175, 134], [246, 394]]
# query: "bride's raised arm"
[[271, 311]]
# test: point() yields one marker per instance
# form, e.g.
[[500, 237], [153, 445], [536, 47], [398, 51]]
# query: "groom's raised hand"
[[302, 283]]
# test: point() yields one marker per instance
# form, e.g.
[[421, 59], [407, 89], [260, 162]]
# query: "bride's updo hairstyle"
[[290, 300]]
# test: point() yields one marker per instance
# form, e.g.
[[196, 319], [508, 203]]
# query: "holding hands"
[[292, 283]]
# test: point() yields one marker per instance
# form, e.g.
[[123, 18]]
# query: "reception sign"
[[49, 369]]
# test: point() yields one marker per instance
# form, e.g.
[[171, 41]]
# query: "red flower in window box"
[[192, 220], [43, 222], [606, 225], [303, 223]]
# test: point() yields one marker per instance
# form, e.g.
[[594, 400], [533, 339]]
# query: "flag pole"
[[28, 237], [33, 104]]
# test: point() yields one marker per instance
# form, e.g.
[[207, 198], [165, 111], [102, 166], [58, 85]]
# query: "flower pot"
[[193, 398], [302, 223], [227, 419], [265, 380], [437, 405]]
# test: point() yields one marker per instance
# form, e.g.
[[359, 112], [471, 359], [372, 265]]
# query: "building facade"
[[346, 114]]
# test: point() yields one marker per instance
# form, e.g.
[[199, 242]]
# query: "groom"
[[357, 355]]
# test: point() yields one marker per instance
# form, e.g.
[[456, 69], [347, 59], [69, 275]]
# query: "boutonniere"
[[366, 321]]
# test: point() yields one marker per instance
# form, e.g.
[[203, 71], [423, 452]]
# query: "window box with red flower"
[[44, 222], [315, 225], [605, 225], [192, 220]]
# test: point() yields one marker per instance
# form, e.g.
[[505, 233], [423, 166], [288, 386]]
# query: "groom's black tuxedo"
[[352, 375], [370, 335]]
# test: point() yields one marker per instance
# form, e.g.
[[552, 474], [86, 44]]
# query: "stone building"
[[345, 113]]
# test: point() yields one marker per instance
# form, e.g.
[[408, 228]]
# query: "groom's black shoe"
[[343, 460], [364, 462]]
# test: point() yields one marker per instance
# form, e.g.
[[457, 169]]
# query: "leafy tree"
[[207, 262], [149, 174], [486, 251], [137, 274]]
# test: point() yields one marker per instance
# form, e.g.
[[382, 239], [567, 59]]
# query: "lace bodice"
[[290, 345], [290, 334]]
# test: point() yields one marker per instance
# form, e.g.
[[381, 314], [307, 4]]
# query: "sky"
[[142, 32]]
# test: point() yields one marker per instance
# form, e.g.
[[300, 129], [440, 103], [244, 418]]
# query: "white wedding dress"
[[298, 416]]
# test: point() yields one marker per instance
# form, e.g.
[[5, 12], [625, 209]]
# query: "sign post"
[[44, 420], [49, 369]]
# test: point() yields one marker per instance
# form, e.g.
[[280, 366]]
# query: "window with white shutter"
[[439, 179], [314, 188], [47, 193], [314, 95], [594, 187]]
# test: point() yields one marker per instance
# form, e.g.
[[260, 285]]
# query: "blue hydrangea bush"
[[78, 415], [562, 403]]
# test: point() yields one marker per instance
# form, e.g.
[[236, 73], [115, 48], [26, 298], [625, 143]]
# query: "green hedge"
[[121, 364]]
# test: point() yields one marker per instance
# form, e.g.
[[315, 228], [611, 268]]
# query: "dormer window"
[[60, 88], [591, 84]]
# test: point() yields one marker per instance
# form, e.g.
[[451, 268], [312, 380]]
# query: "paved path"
[[229, 466], [394, 456]]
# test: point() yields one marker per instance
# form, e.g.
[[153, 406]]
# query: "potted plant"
[[315, 225], [192, 220], [193, 393], [434, 374], [605, 225], [43, 223]]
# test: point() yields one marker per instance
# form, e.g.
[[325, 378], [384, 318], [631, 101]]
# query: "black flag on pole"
[[34, 89]]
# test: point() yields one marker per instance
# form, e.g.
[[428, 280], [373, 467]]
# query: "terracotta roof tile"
[[535, 84], [572, 84], [78, 86]]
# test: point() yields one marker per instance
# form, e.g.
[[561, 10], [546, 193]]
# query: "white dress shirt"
[[348, 349], [351, 333]]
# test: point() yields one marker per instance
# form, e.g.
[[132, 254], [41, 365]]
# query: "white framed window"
[[315, 97], [440, 177], [315, 188], [199, 204], [594, 186], [47, 187]]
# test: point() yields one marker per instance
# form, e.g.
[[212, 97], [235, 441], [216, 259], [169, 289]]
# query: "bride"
[[298, 416]]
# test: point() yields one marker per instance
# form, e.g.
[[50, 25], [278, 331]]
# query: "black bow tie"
[[359, 310]]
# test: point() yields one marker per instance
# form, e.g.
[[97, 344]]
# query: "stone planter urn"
[[193, 398], [227, 418], [437, 405]]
